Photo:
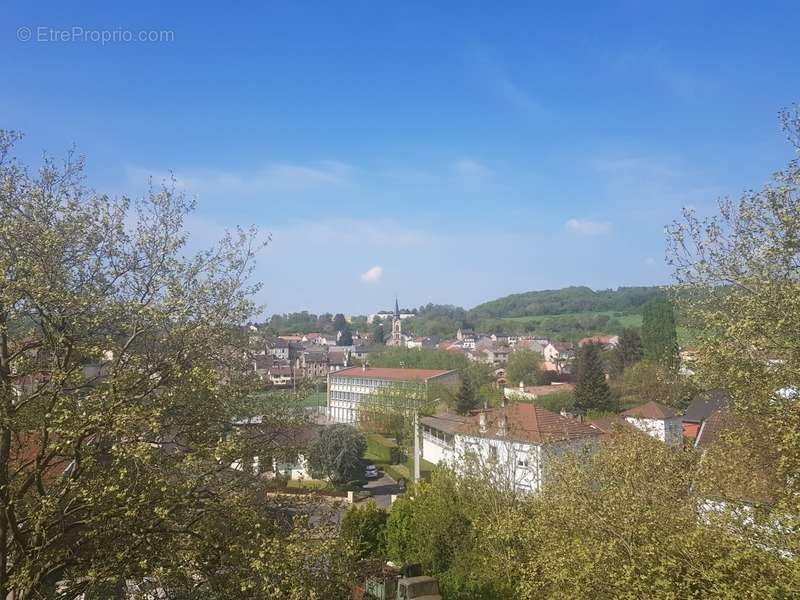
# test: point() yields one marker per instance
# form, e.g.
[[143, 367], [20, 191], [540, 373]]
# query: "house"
[[279, 374], [293, 441], [296, 338], [360, 352], [657, 420], [293, 463], [608, 342], [512, 445], [497, 355], [349, 388], [558, 355], [701, 408], [312, 364], [278, 348], [338, 359]]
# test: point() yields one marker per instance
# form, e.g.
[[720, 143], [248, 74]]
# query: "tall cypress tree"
[[592, 391], [628, 351], [466, 400], [659, 335]]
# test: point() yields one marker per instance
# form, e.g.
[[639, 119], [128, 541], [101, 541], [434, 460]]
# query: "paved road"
[[382, 489]]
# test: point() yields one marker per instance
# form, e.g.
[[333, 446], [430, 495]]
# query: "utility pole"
[[416, 445]]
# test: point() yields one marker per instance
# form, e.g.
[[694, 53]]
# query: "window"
[[523, 462]]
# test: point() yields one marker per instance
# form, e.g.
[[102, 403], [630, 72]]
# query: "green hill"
[[571, 300]]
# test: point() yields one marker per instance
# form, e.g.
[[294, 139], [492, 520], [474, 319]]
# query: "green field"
[[552, 325], [627, 320]]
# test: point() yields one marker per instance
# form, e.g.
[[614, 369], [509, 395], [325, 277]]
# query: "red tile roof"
[[690, 430], [610, 424], [391, 374], [650, 410], [529, 423]]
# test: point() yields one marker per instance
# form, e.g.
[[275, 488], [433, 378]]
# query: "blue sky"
[[450, 153]]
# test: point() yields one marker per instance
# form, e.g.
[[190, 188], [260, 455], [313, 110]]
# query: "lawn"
[[379, 453], [379, 449], [315, 399]]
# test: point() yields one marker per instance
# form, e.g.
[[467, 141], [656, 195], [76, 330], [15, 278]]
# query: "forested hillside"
[[564, 301]]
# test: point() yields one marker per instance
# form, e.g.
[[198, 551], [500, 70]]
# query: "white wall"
[[669, 431]]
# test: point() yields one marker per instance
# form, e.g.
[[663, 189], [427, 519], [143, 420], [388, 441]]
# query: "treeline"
[[560, 327], [566, 300], [437, 319], [306, 322]]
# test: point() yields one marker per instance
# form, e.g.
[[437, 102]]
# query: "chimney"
[[502, 429], [364, 367], [482, 422], [521, 385]]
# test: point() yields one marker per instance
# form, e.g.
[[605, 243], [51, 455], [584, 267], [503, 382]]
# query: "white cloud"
[[587, 227], [503, 85], [468, 167], [277, 177], [372, 275]]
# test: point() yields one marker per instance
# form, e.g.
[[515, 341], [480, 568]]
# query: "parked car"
[[388, 587], [371, 472]]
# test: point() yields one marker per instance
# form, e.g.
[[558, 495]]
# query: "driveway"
[[382, 489]]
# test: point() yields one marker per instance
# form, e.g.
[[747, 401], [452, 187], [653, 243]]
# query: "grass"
[[315, 399], [379, 453], [378, 449], [308, 484], [627, 320]]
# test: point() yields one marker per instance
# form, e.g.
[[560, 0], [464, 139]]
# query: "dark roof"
[[650, 410], [391, 374], [704, 405], [449, 423]]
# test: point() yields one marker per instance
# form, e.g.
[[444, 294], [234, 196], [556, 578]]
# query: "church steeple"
[[397, 328]]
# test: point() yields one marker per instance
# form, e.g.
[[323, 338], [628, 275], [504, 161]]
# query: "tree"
[[364, 527], [122, 371], [524, 366], [378, 334], [647, 381], [339, 323], [623, 523], [628, 352], [337, 453], [427, 525], [466, 400], [591, 391], [737, 282], [346, 337], [659, 336]]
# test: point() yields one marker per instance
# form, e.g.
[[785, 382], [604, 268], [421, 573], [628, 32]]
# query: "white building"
[[657, 420], [512, 445], [349, 388]]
